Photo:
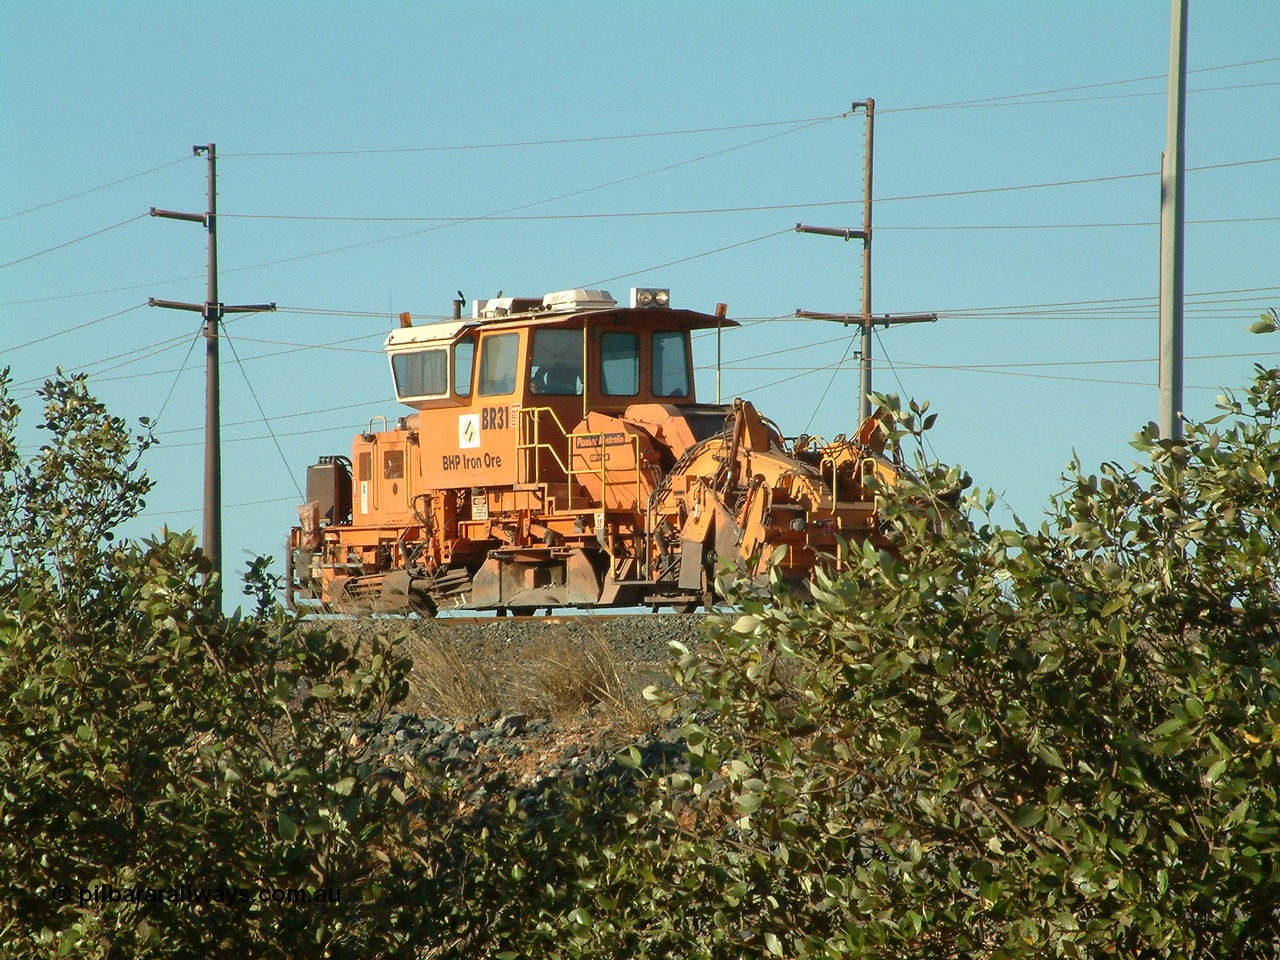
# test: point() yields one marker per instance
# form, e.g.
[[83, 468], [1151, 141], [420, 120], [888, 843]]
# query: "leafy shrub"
[[150, 744], [993, 743], [990, 742]]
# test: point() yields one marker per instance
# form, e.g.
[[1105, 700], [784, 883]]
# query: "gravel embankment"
[[503, 734]]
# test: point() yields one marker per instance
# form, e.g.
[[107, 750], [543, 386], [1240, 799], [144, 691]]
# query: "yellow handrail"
[[531, 423]]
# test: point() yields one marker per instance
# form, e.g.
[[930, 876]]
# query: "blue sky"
[[374, 158]]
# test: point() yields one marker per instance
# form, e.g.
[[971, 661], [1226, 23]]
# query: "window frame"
[[538, 365]]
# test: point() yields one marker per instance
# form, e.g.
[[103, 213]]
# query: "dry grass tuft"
[[445, 684], [567, 674], [564, 672]]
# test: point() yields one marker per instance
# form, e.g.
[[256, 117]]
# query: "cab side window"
[[423, 373], [498, 356]]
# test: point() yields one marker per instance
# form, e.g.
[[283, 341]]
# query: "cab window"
[[620, 364], [424, 373], [498, 355], [670, 364], [556, 365], [464, 355]]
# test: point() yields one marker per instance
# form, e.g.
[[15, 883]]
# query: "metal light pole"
[[1172, 211]]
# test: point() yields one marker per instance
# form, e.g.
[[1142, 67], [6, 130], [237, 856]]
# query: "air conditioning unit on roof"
[[567, 301]]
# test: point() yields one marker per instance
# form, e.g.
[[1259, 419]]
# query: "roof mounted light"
[[650, 297]]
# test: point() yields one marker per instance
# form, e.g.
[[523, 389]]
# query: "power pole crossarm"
[[200, 218], [884, 320], [847, 232]]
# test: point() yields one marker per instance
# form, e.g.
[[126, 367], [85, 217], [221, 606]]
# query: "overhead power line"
[[1068, 183], [996, 100], [696, 256], [535, 203], [1110, 96], [266, 421], [41, 253], [81, 326], [443, 222], [562, 141], [225, 506], [1088, 86], [104, 186]]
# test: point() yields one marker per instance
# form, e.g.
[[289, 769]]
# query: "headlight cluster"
[[650, 297]]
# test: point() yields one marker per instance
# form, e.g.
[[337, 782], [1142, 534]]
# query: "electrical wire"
[[225, 506], [313, 346], [1087, 86], [132, 176], [696, 256], [719, 211], [540, 143], [1073, 226], [68, 243], [156, 349], [1001, 366], [532, 203], [1112, 96], [924, 436], [443, 222], [82, 326], [97, 293], [353, 427], [759, 208], [1066, 183], [834, 373], [181, 369], [1079, 310], [381, 401], [729, 128], [265, 420]]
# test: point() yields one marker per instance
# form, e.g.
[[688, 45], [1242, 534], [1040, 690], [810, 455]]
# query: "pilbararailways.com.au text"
[[192, 894]]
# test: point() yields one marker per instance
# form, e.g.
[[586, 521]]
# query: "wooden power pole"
[[213, 312], [865, 320]]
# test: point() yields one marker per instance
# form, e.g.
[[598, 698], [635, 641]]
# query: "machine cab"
[[496, 391]]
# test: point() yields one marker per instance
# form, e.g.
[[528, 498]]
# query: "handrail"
[[531, 422], [835, 479]]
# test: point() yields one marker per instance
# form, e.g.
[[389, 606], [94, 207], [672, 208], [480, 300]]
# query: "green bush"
[[153, 749], [990, 743], [1014, 742]]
